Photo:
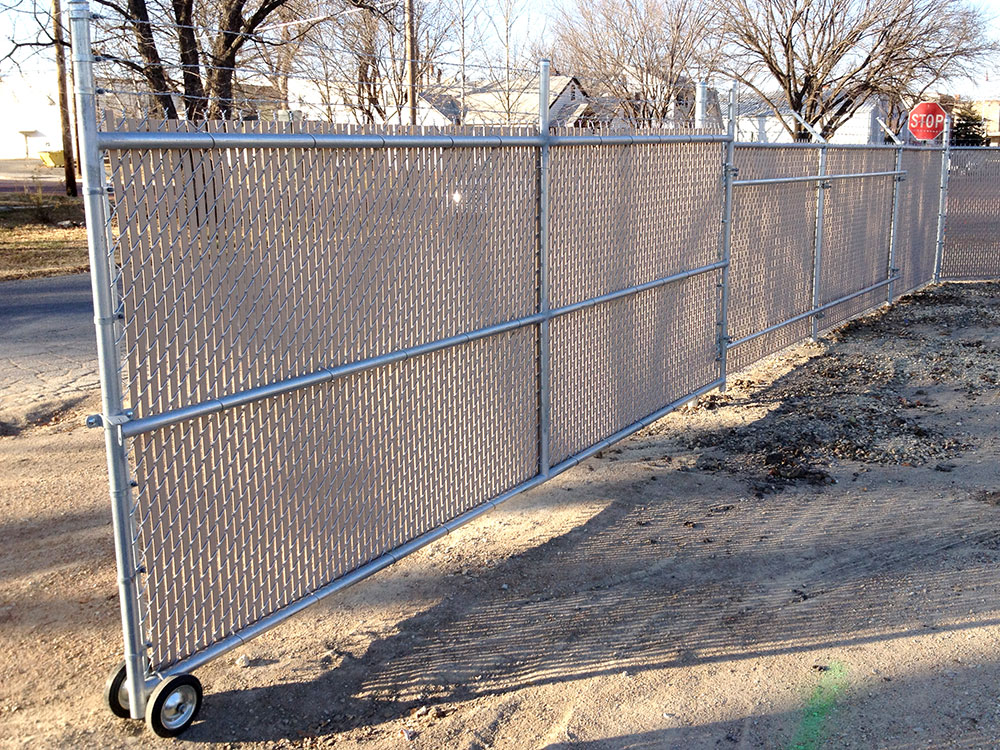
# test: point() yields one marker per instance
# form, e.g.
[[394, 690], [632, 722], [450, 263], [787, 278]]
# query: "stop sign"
[[926, 121]]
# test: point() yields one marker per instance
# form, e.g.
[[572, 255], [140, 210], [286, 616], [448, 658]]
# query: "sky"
[[985, 85], [988, 85]]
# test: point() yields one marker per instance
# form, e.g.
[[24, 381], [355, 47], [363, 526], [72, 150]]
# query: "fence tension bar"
[[729, 172], [544, 306], [894, 221], [943, 201], [821, 187]]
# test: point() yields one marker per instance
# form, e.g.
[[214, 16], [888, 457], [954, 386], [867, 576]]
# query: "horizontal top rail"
[[201, 140], [830, 146], [630, 140], [816, 178], [120, 140], [124, 141]]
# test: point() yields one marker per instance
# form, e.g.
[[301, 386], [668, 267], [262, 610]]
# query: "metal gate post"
[[821, 187], [943, 200], [894, 223], [544, 306], [729, 171], [105, 316]]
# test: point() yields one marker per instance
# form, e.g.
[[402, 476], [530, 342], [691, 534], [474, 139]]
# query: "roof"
[[752, 105], [489, 102]]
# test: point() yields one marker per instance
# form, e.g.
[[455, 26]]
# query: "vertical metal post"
[[821, 187], [700, 104], [113, 414], [729, 171], [544, 306], [943, 199], [894, 224]]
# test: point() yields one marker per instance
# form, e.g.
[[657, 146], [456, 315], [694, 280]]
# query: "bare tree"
[[507, 83], [69, 168], [192, 51], [356, 62], [467, 35], [826, 58], [643, 53]]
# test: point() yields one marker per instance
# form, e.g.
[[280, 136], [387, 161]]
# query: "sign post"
[[926, 121]]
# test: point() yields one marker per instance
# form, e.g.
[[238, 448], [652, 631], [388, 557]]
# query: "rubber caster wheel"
[[173, 705], [116, 692]]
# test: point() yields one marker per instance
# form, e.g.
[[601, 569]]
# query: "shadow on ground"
[[690, 566]]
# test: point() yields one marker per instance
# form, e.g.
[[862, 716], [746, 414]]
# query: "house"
[[645, 99], [500, 102], [757, 121], [570, 106]]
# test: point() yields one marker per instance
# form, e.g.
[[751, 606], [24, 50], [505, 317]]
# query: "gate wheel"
[[173, 705], [116, 692]]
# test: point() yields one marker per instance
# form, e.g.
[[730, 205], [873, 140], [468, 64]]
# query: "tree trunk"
[[187, 47], [411, 61], [153, 68], [67, 138]]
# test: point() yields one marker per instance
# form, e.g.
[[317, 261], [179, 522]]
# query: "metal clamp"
[[99, 420]]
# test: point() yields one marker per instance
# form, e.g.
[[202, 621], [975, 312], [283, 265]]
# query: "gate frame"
[[120, 423]]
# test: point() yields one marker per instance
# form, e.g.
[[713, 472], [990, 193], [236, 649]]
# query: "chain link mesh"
[[241, 268], [246, 267], [635, 214], [917, 217], [616, 363], [771, 263], [238, 268], [972, 240], [246, 511], [856, 225]]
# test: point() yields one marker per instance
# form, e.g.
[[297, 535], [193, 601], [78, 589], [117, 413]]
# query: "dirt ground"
[[809, 560]]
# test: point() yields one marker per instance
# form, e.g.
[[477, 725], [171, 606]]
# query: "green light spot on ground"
[[833, 682]]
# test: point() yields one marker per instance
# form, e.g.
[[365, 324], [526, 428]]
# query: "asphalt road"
[[56, 311], [48, 352]]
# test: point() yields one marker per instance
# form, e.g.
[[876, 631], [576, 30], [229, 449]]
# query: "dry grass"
[[30, 243]]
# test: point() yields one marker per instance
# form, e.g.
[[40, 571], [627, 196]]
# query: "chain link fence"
[[324, 345], [972, 237]]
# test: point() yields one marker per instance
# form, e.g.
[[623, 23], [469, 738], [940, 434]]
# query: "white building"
[[30, 107], [757, 121]]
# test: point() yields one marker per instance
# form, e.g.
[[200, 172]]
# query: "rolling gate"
[[322, 348]]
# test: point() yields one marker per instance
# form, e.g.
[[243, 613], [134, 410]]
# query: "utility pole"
[[67, 138], [411, 60]]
